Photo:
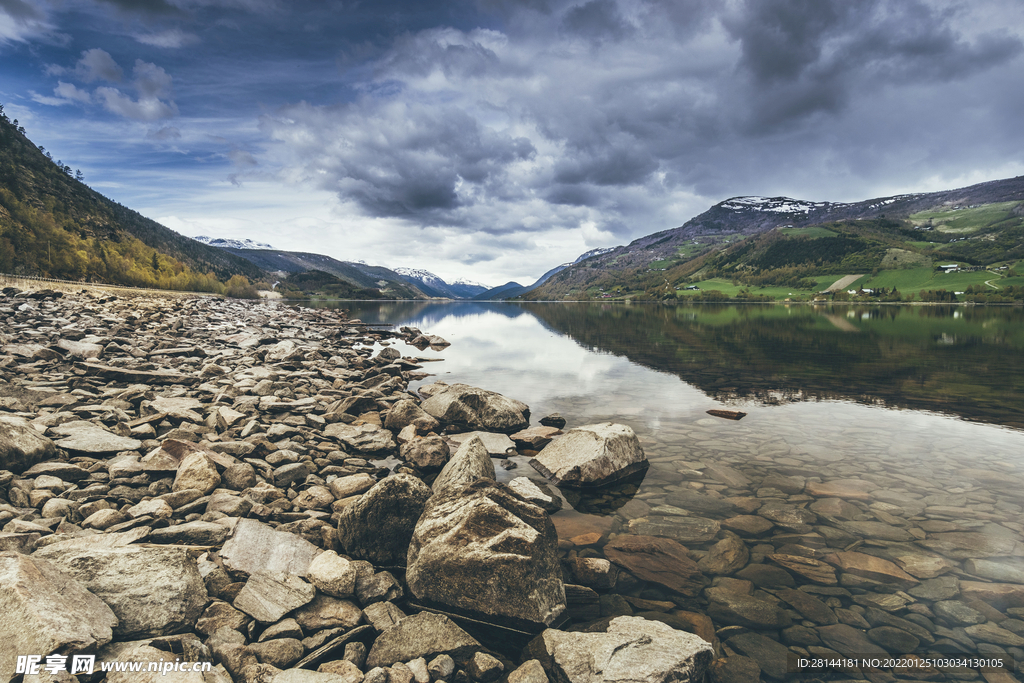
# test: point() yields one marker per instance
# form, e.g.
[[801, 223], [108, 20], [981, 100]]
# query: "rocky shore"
[[256, 486]]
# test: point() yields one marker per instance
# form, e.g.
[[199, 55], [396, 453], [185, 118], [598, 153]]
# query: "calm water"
[[923, 406]]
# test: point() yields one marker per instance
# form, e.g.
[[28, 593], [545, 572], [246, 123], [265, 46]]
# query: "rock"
[[630, 647], [254, 546], [477, 409], [345, 669], [87, 437], [240, 476], [373, 588], [811, 569], [553, 420], [725, 557], [191, 533], [483, 667], [996, 571], [747, 525], [333, 575], [481, 550], [809, 607], [847, 489], [700, 504], [593, 572], [21, 445], [407, 412], [876, 530], [682, 529], [269, 595], [658, 560], [957, 612], [46, 610], [849, 641], [538, 494], [314, 498], [991, 633], [766, 576], [770, 655], [143, 652], [442, 667], [218, 615], [427, 453], [154, 507], [966, 545], [730, 606], [941, 588], [378, 526], [152, 591], [729, 476], [497, 445], [364, 438], [421, 635], [999, 595], [306, 676], [198, 472], [353, 485], [470, 463], [324, 612], [383, 615], [592, 455], [280, 652], [535, 438], [871, 567]]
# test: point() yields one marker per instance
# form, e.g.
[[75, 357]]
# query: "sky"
[[494, 139]]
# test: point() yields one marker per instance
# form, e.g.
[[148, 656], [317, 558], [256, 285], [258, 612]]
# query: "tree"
[[156, 263], [79, 177]]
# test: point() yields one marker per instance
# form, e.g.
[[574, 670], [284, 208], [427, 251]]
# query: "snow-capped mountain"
[[433, 285], [592, 252], [226, 243]]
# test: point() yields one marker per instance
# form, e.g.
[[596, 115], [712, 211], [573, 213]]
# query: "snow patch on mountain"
[[591, 253], [772, 204], [225, 243]]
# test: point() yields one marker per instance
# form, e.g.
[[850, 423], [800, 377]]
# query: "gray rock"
[[152, 591], [428, 453], [770, 655], [89, 438], [21, 445], [191, 533], [497, 445], [849, 641], [700, 503], [333, 575], [255, 546], [731, 607], [383, 615], [631, 649], [482, 550], [592, 455], [725, 557], [477, 409], [279, 652], [994, 570], [352, 485], [268, 595], [378, 526], [538, 494], [483, 667], [682, 529], [364, 438], [46, 610], [470, 463], [421, 635], [408, 412], [957, 612], [324, 612]]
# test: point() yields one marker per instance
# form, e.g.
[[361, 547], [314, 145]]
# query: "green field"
[[916, 279], [812, 232], [683, 253], [729, 289], [965, 220]]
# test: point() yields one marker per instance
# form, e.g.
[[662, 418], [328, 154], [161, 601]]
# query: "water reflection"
[[880, 468]]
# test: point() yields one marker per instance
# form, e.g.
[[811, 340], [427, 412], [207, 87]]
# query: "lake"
[[874, 434]]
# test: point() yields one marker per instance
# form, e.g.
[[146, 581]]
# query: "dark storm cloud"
[[808, 56], [597, 20]]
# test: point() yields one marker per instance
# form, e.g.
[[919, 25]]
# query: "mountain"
[[359, 275], [432, 285], [53, 225], [467, 289], [511, 290], [639, 265], [234, 244]]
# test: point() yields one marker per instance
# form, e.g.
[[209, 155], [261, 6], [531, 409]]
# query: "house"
[[951, 268]]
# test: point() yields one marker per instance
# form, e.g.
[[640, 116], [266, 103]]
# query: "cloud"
[[142, 109], [68, 91], [21, 21], [171, 38], [97, 64], [165, 133]]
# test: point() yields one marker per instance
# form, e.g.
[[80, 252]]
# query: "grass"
[[917, 279], [729, 289], [964, 220], [683, 253], [812, 232]]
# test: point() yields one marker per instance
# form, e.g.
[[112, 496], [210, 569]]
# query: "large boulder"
[[592, 455], [21, 446], [152, 591], [407, 412], [378, 526], [368, 439], [475, 408], [470, 463], [421, 635], [46, 610], [632, 649], [482, 551]]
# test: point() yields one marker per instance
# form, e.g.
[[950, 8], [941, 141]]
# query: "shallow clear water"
[[923, 406]]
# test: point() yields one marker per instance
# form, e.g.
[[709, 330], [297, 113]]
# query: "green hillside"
[[897, 259], [53, 225]]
